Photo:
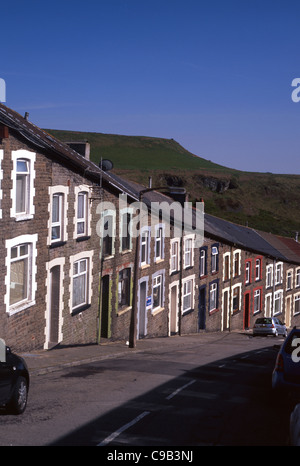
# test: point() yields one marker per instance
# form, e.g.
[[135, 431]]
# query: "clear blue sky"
[[213, 75]]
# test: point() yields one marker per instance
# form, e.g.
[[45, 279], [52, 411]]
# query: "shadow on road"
[[225, 402]]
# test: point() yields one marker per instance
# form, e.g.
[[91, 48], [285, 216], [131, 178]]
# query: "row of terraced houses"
[[75, 271]]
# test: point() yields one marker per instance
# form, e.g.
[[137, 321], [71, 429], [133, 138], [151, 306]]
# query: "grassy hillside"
[[260, 200]]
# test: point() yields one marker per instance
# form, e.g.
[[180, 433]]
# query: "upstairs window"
[[159, 243], [269, 275], [82, 214], [174, 256], [226, 266], [108, 234], [289, 280], [57, 217], [202, 262], [257, 269], [58, 209], [125, 231], [236, 263], [145, 247], [278, 273], [297, 281], [214, 259], [188, 252], [23, 184], [248, 272]]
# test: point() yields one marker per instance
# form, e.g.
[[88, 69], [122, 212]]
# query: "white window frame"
[[214, 258], [297, 277], [31, 241], [296, 298], [158, 279], [112, 214], [159, 242], [188, 291], [226, 255], [145, 246], [269, 275], [88, 255], [278, 296], [30, 158], [236, 260], [239, 286], [202, 262], [248, 272], [258, 268], [257, 300], [86, 219], [53, 191], [278, 271], [174, 255], [213, 296], [289, 278], [188, 252], [125, 211]]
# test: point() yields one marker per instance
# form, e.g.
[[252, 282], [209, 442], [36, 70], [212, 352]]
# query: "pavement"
[[44, 361]]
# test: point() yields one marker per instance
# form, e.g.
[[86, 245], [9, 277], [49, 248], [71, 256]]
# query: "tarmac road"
[[205, 389]]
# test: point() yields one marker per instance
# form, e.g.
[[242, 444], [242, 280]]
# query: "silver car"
[[269, 326]]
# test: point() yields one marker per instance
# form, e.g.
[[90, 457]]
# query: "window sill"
[[57, 244], [23, 217], [213, 311], [82, 238], [80, 309], [159, 260], [144, 266], [124, 310], [106, 258], [187, 311], [21, 307], [157, 310], [126, 251]]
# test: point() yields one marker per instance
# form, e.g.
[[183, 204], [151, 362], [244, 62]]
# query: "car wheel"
[[276, 333], [18, 401]]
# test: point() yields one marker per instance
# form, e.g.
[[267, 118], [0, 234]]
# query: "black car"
[[14, 383]]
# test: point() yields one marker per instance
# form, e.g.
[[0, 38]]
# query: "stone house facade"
[[76, 269]]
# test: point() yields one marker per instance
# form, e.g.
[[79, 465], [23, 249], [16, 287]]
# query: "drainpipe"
[[230, 288], [273, 288]]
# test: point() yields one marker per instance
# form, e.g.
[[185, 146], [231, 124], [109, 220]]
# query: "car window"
[[263, 320]]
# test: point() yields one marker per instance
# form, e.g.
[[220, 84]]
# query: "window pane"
[[21, 193], [55, 208], [22, 166], [18, 281], [79, 290], [81, 205]]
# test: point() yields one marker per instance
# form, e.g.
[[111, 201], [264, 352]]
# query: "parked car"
[[286, 373], [269, 326], [14, 382]]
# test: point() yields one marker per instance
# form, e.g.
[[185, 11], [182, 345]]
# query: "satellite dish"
[[106, 165]]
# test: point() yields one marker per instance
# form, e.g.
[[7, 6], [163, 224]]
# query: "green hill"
[[265, 201]]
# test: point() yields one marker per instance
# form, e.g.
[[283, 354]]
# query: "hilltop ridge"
[[265, 201]]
